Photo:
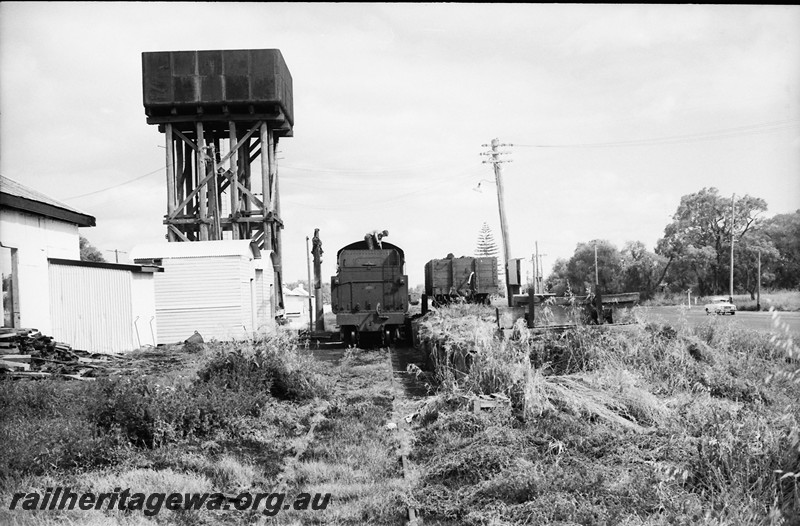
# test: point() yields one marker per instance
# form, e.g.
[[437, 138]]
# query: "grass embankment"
[[644, 425], [254, 417]]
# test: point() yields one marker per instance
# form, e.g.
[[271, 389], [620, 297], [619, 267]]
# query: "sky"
[[613, 112]]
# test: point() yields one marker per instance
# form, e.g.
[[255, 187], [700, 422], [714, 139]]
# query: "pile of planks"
[[27, 353]]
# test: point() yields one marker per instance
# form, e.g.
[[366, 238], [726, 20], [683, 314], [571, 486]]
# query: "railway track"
[[405, 390]]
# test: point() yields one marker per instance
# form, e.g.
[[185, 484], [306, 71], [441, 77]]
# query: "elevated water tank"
[[239, 82]]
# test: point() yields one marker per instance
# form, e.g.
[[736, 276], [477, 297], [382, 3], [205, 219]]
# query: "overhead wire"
[[314, 183], [382, 203], [115, 186], [738, 131], [366, 171]]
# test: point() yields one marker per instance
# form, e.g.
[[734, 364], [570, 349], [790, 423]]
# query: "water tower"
[[222, 114]]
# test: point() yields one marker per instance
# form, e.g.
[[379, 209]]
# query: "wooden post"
[[536, 287], [758, 294], [276, 200], [170, 178], [200, 170], [316, 251], [213, 197], [531, 311], [310, 306], [733, 219], [265, 183], [498, 177], [188, 184], [246, 178], [234, 168], [180, 173], [598, 301]]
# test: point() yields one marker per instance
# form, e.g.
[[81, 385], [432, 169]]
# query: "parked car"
[[720, 306]]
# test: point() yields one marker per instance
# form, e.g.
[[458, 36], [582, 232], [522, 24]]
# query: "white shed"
[[102, 307], [33, 228], [297, 304], [222, 289]]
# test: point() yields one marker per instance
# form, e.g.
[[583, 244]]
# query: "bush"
[[46, 425], [271, 365], [150, 415]]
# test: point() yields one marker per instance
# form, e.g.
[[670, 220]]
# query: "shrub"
[[238, 381], [272, 365], [46, 425]]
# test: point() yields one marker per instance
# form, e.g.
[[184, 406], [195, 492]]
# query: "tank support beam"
[[209, 193]]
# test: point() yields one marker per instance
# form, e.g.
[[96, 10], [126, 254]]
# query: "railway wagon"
[[369, 293], [471, 278]]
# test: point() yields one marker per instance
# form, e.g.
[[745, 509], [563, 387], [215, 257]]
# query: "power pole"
[[310, 307], [495, 161], [538, 270], [316, 251], [733, 219], [758, 294], [541, 274], [596, 273], [116, 252]]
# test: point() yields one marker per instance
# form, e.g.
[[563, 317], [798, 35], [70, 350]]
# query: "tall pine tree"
[[488, 248], [486, 245]]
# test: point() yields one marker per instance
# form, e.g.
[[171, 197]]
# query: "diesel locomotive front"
[[369, 293]]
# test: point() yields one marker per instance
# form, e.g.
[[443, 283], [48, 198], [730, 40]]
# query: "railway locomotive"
[[369, 293]]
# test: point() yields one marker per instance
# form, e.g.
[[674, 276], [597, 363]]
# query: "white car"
[[720, 306]]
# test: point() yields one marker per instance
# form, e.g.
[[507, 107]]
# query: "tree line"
[[694, 252]]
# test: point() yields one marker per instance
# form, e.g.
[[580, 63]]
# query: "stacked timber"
[[27, 353]]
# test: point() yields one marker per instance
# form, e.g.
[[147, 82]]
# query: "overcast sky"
[[615, 112]]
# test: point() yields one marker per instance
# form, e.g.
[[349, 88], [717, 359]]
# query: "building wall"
[[264, 285], [297, 314], [35, 239], [92, 308], [143, 308], [221, 297]]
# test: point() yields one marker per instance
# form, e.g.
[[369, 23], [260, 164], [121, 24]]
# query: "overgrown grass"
[[782, 300], [242, 410], [648, 424]]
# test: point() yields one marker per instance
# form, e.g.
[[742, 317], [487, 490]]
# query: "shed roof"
[[196, 249], [18, 196], [297, 291], [136, 269]]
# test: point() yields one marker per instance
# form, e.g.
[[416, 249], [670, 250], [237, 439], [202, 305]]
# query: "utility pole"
[[541, 274], [316, 251], [596, 273], [733, 219], [758, 294], [598, 302], [538, 270], [495, 161], [310, 307], [116, 252]]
